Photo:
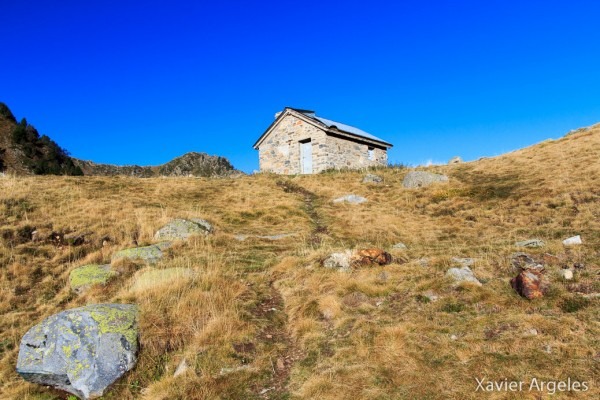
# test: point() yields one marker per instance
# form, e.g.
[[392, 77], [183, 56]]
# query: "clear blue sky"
[[141, 82]]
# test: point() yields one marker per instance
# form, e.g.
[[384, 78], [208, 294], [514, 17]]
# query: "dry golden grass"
[[261, 314]]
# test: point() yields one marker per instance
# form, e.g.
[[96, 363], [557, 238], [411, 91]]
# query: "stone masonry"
[[280, 151]]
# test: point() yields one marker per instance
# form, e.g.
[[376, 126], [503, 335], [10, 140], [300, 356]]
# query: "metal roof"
[[329, 124], [347, 128]]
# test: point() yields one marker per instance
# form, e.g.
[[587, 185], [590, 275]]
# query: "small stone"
[[573, 241], [453, 337], [566, 274], [532, 332], [455, 160], [383, 276], [399, 246], [371, 178], [532, 243], [463, 274], [181, 368], [548, 349], [350, 198]]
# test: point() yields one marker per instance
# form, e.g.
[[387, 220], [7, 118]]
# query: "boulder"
[[340, 261], [181, 229], [372, 256], [528, 284], [531, 243], [455, 160], [572, 241], [82, 278], [350, 198], [370, 178], [463, 274], [149, 254], [417, 179], [81, 351]]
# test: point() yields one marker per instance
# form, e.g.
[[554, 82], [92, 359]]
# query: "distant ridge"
[[189, 164], [24, 152]]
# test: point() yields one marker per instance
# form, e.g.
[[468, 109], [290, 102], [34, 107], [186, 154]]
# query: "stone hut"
[[299, 142]]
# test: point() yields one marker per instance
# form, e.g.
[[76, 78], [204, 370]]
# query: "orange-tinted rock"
[[528, 284], [372, 256]]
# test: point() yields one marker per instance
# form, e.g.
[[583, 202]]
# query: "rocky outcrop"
[[81, 351], [417, 179], [189, 164]]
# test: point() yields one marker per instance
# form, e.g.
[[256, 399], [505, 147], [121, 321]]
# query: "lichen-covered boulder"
[[82, 278], [181, 229], [350, 198], [417, 179], [81, 351], [463, 274], [149, 254]]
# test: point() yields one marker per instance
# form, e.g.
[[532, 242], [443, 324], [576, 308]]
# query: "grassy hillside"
[[262, 319]]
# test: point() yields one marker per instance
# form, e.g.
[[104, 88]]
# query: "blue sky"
[[129, 82]]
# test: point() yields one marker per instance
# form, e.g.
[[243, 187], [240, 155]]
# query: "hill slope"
[[262, 319], [24, 152]]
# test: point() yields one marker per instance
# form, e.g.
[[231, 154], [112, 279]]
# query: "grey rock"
[[431, 296], [523, 261], [423, 262], [81, 351], [370, 178], [181, 229], [350, 198], [399, 246], [341, 261], [532, 243], [417, 179], [572, 241], [463, 274], [455, 160], [149, 254]]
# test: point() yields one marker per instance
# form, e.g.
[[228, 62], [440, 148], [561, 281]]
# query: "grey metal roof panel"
[[347, 128]]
